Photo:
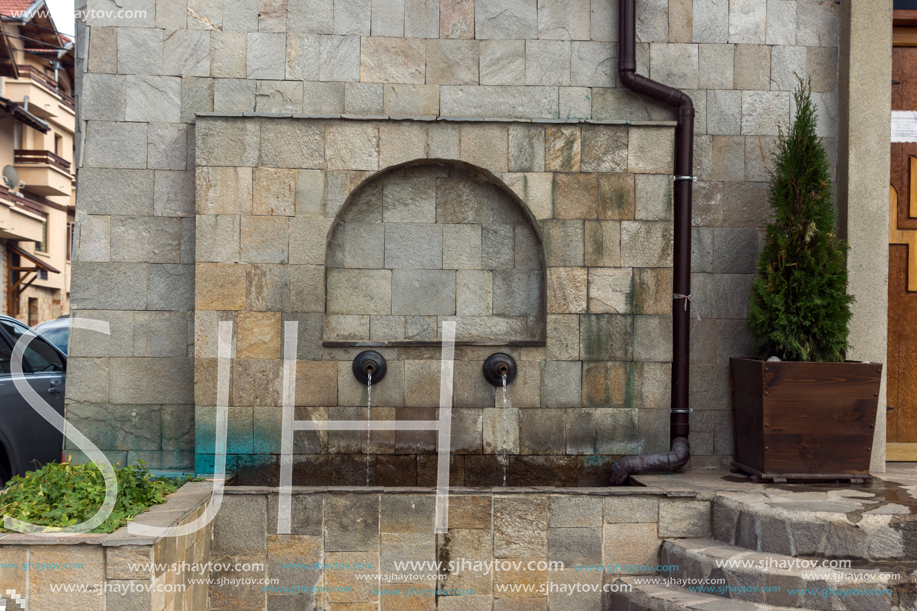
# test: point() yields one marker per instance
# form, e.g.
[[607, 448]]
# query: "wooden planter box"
[[804, 420]]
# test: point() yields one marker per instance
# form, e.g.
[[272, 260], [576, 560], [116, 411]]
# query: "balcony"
[[46, 100], [20, 218], [43, 172]]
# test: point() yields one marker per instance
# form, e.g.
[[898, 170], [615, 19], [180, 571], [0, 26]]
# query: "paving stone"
[[764, 112], [423, 292], [392, 60], [567, 290], [502, 62], [503, 19], [711, 21], [752, 67], [604, 149], [140, 51]]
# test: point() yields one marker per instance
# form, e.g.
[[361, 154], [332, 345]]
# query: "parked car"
[[26, 439], [56, 331]]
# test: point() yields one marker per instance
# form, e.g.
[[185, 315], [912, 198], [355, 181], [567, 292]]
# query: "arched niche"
[[429, 241]]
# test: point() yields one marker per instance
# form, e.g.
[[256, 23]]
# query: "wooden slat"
[[901, 452], [897, 259], [904, 37]]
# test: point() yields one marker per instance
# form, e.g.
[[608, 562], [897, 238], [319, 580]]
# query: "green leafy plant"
[[800, 309], [64, 494]]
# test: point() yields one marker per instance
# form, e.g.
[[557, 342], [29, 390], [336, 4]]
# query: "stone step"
[[643, 597], [802, 583], [847, 523]]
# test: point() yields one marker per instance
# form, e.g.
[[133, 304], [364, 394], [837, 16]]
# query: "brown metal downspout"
[[681, 304]]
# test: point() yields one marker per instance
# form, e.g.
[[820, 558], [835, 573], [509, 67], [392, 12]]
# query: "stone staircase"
[[787, 549]]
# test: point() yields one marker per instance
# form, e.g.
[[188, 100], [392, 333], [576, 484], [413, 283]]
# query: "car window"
[[57, 336], [40, 356], [5, 354]]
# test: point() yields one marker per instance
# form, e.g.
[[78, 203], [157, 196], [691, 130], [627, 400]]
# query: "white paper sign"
[[904, 126]]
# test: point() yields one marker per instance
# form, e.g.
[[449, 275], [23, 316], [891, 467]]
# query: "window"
[[39, 356], [58, 145], [43, 245], [69, 239], [6, 354]]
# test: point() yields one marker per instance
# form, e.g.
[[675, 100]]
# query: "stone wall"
[[143, 81]]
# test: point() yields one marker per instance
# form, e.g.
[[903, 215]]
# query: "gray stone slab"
[[788, 65], [724, 112], [547, 62], [104, 191], [352, 17], [145, 239], [502, 62], [266, 55], [606, 337], [310, 16], [186, 53], [357, 291], [171, 287], [413, 246], [561, 384], [711, 21], [339, 58], [103, 97], [504, 19], [462, 247], [140, 51], [497, 247], [474, 292], [563, 20], [303, 56], [781, 22], [502, 102], [167, 146], [423, 292], [115, 145], [518, 293]]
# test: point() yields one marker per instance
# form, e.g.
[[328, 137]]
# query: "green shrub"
[[64, 494], [800, 309]]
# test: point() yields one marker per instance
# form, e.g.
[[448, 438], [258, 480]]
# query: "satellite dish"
[[10, 177]]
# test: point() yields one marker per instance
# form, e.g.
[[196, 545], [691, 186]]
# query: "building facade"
[[36, 152], [372, 169]]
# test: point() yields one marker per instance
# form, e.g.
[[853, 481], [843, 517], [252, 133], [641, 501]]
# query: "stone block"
[[606, 337], [201, 15], [228, 142], [817, 24], [462, 247], [504, 102], [764, 112], [406, 100], [196, 97], [497, 246], [138, 425], [535, 189], [413, 246], [323, 99], [575, 196], [227, 54], [363, 98], [278, 96], [451, 62], [274, 192], [575, 512], [781, 22], [104, 97], [291, 144], [728, 162], [220, 286], [526, 148], [631, 544], [562, 337], [561, 384], [684, 518], [423, 292], [167, 146], [89, 381], [266, 54], [103, 50], [725, 298], [724, 112], [520, 526], [715, 69], [604, 148], [547, 62], [171, 287], [256, 382], [788, 64], [357, 291], [186, 53], [506, 20], [310, 16], [575, 103], [402, 143], [162, 334], [593, 64], [711, 21], [646, 244], [265, 239], [392, 60], [153, 99], [242, 528], [127, 281], [409, 199], [652, 291], [653, 338], [94, 240], [517, 293], [580, 432], [352, 146], [387, 18], [735, 250], [484, 145], [654, 197], [821, 67], [563, 243], [421, 383], [139, 51], [115, 145], [610, 290], [338, 57], [563, 148], [362, 245], [674, 64], [386, 328], [542, 432], [474, 293], [567, 290], [502, 62], [258, 335], [316, 383], [631, 509], [139, 381], [575, 546], [616, 196], [224, 191], [346, 327], [650, 150], [234, 95], [752, 67], [747, 21]]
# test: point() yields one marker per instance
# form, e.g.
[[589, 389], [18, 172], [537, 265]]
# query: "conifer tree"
[[799, 307]]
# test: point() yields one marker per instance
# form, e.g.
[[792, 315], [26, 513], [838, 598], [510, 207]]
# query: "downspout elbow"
[[667, 462]]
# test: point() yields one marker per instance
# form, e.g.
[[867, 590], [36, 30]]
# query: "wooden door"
[[902, 271]]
